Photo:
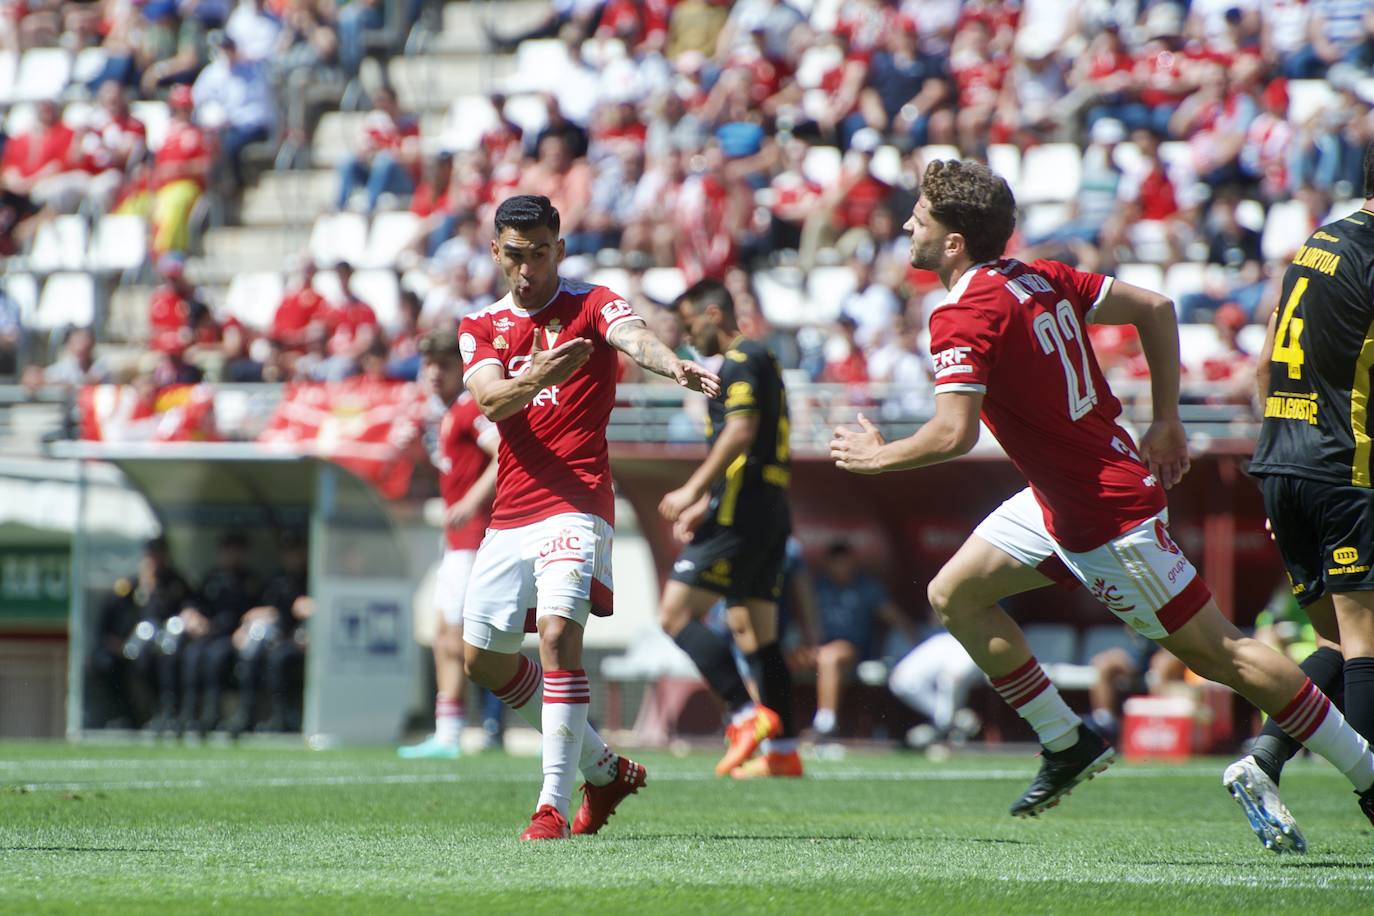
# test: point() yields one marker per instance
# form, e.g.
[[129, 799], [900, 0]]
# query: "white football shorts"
[[559, 566], [451, 584], [1141, 576]]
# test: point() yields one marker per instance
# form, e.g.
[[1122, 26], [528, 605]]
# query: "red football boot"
[[547, 824], [745, 738], [598, 802]]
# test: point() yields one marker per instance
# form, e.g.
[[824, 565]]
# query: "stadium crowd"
[[745, 141]]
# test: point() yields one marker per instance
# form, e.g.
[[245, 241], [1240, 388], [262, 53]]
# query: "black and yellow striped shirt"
[[1316, 412]]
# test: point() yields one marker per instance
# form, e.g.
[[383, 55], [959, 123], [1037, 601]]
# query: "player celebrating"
[[463, 451], [1009, 344], [1313, 460], [732, 514], [542, 365]]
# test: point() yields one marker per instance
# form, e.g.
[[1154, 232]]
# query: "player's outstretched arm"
[[1164, 447], [636, 341], [952, 432], [499, 397], [735, 438], [1262, 361]]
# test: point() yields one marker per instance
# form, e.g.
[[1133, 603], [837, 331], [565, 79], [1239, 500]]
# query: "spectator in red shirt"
[[180, 167], [110, 143], [978, 76], [353, 325], [41, 163], [845, 363], [504, 139], [300, 309], [387, 159], [1160, 74], [842, 214], [175, 308]]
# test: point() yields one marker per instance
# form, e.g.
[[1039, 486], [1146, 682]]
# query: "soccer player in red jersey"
[[542, 365], [463, 450], [1009, 345]]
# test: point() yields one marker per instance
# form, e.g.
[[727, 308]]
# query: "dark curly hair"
[[971, 199], [525, 212]]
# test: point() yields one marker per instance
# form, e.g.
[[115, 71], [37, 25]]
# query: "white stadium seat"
[[43, 74], [1285, 229], [1050, 173], [887, 165], [380, 289], [89, 64], [1005, 160], [391, 233], [827, 288], [782, 297], [528, 111], [1307, 98], [1101, 638], [155, 117], [1250, 214], [9, 69], [469, 117], [663, 284], [1197, 343], [1184, 278], [938, 151], [119, 243], [68, 300], [253, 298], [339, 237], [1039, 219], [822, 165], [59, 244], [1146, 276], [616, 279]]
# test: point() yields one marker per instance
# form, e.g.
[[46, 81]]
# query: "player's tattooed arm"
[[635, 340]]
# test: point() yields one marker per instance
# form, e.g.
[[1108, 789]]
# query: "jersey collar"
[[558, 290], [961, 286]]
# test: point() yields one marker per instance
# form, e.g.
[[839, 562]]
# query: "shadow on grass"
[[843, 837], [78, 849]]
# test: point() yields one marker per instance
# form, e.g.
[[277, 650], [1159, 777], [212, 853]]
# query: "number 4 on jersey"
[[1287, 340]]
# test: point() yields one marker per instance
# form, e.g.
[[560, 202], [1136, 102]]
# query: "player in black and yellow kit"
[[732, 515], [1313, 461]]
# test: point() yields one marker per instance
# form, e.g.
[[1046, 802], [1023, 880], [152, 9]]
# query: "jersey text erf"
[[1016, 333], [458, 454], [1316, 412], [552, 457], [755, 484]]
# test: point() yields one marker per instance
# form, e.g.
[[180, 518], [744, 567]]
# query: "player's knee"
[[940, 594]]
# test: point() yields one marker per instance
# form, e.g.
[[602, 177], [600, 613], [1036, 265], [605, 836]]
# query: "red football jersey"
[[1016, 332], [460, 458], [552, 458]]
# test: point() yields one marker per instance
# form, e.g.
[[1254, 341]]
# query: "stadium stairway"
[[278, 211]]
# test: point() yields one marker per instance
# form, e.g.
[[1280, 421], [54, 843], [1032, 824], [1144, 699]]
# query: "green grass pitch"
[[166, 829]]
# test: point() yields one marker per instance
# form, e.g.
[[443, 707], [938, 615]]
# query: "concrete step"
[[508, 17], [289, 198], [234, 249], [338, 133], [429, 82]]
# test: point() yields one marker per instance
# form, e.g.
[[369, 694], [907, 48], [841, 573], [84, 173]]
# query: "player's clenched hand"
[[1164, 448], [857, 450], [556, 365], [676, 502], [697, 378], [684, 529]]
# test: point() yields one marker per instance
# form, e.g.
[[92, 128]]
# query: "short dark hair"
[[1368, 170], [526, 211], [707, 292], [971, 199], [440, 342]]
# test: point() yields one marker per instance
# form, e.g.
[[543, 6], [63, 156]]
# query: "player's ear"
[[559, 251], [954, 244], [495, 251]]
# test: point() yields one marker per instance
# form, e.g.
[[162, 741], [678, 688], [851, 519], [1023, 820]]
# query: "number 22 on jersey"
[[1055, 333], [1287, 342]]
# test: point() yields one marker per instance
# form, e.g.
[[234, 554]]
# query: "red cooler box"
[[1160, 728]]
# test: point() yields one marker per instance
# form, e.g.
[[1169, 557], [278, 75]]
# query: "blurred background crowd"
[[277, 190]]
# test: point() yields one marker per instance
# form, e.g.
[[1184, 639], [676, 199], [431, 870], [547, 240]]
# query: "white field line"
[[375, 779]]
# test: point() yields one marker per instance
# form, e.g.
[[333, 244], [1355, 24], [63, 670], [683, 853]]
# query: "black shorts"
[[737, 563], [1325, 533]]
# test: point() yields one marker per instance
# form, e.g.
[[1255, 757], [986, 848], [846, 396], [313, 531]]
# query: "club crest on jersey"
[[552, 330], [1111, 596], [1166, 543]]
